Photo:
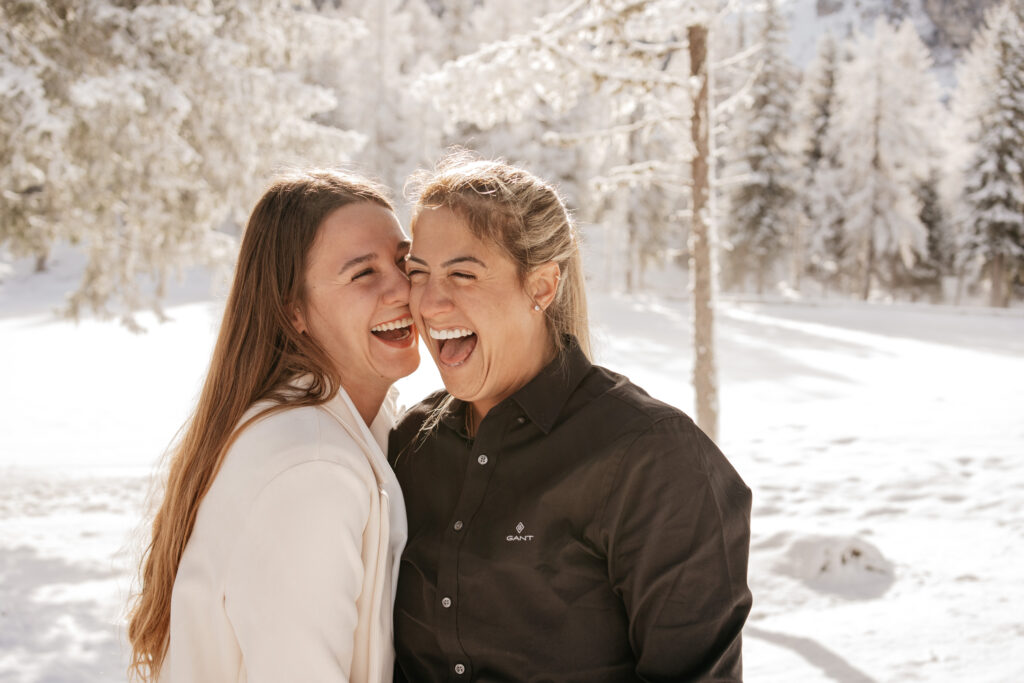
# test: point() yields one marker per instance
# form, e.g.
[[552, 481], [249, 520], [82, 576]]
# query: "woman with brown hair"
[[563, 525], [274, 552]]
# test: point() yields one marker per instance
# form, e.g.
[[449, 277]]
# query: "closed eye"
[[464, 276], [363, 273]]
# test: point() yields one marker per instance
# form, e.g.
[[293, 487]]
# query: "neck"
[[482, 406], [367, 403]]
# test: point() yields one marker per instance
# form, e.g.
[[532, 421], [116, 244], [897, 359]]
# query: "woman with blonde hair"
[[274, 552], [563, 525]]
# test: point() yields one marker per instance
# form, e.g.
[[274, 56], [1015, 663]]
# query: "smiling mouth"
[[394, 331], [454, 345]]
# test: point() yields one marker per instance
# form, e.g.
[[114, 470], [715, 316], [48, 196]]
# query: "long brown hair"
[[258, 352]]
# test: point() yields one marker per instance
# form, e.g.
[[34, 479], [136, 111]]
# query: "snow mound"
[[845, 565]]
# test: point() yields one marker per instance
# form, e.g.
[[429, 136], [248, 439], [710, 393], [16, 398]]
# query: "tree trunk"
[[705, 382], [869, 267], [631, 249], [799, 258], [997, 274], [42, 260], [961, 275]]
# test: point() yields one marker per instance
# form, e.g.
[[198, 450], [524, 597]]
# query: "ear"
[[542, 283], [298, 318]]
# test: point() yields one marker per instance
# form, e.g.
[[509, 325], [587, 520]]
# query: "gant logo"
[[518, 536]]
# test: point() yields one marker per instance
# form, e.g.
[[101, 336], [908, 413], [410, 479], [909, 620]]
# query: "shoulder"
[[286, 439], [657, 451], [643, 428], [635, 411], [282, 464]]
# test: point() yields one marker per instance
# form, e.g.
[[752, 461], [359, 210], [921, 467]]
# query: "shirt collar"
[[544, 396], [454, 416]]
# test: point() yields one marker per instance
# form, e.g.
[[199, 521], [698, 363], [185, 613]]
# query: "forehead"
[[360, 222], [442, 230]]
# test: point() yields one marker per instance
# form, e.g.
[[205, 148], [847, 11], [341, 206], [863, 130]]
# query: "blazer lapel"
[[342, 409]]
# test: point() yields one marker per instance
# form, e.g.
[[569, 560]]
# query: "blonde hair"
[[522, 214], [257, 354]]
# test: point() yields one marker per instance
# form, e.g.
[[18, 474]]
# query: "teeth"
[[393, 325], [454, 333]]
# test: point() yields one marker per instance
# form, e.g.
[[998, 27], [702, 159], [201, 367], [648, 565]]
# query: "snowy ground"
[[884, 445]]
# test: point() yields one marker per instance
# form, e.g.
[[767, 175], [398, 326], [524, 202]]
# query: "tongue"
[[455, 351], [394, 335]]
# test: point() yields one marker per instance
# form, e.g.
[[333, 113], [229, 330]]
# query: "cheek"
[[320, 329], [415, 295], [331, 325]]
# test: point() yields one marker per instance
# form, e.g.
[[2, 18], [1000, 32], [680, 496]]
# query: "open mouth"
[[454, 345], [394, 331]]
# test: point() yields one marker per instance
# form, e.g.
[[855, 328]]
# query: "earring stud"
[[536, 307]]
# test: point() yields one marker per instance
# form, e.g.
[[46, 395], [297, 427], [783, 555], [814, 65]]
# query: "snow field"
[[886, 436], [882, 444]]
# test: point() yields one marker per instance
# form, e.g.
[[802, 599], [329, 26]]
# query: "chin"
[[458, 389], [404, 366]]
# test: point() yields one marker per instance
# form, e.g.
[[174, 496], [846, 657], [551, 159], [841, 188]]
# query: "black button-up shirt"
[[588, 533]]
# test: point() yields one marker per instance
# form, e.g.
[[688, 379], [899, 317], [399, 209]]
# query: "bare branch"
[[645, 77], [733, 180], [739, 56], [566, 139], [655, 48], [551, 29], [651, 172], [549, 35], [729, 103]]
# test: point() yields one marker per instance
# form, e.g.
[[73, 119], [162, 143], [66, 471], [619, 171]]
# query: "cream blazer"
[[291, 569]]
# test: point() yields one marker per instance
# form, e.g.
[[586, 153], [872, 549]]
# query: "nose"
[[429, 299], [397, 290]]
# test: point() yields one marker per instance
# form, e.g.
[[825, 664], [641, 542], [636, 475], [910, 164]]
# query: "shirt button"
[[458, 525], [521, 420], [460, 669], [482, 459], [446, 602]]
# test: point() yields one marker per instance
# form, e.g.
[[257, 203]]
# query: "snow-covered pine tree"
[[577, 126], [392, 43], [638, 207], [35, 168], [171, 118], [523, 139], [818, 245], [489, 21], [924, 277], [884, 139], [761, 201], [460, 35], [991, 112]]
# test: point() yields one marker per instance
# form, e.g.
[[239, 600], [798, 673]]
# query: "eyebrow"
[[366, 258], [450, 262]]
